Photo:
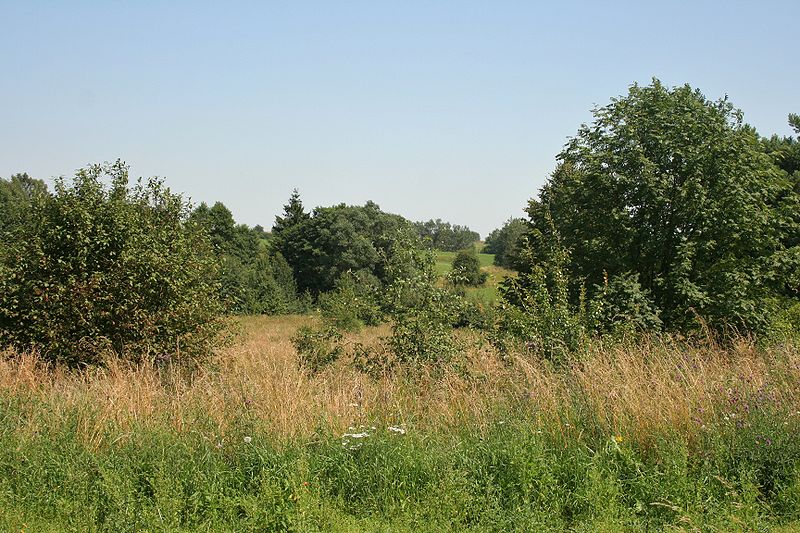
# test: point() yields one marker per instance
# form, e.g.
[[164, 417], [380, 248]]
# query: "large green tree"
[[674, 188], [334, 240], [505, 242]]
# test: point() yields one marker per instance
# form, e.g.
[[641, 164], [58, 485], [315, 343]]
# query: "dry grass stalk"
[[637, 390]]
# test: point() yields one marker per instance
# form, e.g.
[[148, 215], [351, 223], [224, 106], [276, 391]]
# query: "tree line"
[[668, 213]]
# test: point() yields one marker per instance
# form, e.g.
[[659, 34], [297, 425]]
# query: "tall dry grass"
[[636, 389]]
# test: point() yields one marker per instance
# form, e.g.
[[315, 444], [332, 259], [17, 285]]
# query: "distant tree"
[[504, 242], [252, 280], [446, 237], [334, 240], [675, 189], [16, 195], [293, 213], [466, 269]]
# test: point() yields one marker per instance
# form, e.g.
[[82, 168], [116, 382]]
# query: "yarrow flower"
[[351, 434], [398, 430], [248, 440]]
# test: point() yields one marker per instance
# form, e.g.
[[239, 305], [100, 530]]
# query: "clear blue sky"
[[431, 109]]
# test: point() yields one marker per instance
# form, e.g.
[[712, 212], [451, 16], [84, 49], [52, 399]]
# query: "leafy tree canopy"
[[445, 236], [334, 240], [16, 194], [504, 242], [673, 188]]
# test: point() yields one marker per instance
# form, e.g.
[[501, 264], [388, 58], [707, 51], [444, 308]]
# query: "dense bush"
[[317, 347], [354, 302], [99, 268], [622, 305], [536, 314], [467, 269]]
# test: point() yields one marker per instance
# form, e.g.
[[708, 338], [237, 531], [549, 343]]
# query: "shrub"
[[354, 302], [317, 347], [102, 268], [467, 269], [536, 310]]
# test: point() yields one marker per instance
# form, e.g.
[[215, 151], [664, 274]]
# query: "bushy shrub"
[[422, 313], [422, 337], [467, 269], [317, 347], [536, 311], [101, 268], [354, 302]]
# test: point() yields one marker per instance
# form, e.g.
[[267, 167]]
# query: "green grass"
[[513, 477]]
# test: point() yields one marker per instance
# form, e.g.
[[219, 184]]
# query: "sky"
[[432, 109]]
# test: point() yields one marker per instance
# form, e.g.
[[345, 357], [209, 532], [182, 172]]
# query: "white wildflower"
[[398, 430], [248, 440]]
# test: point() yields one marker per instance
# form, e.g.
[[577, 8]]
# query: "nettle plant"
[[109, 269]]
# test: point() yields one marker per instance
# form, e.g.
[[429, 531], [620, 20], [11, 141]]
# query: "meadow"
[[645, 436]]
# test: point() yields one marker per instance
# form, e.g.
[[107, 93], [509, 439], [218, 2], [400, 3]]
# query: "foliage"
[[785, 153], [422, 315], [317, 347], [108, 267], [505, 242], [622, 305], [252, 279], [425, 335], [466, 269], [16, 195], [536, 311], [444, 236], [354, 302], [335, 240], [293, 214], [674, 188]]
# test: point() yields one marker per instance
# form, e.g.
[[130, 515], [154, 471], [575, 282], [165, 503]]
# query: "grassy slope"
[[645, 437]]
